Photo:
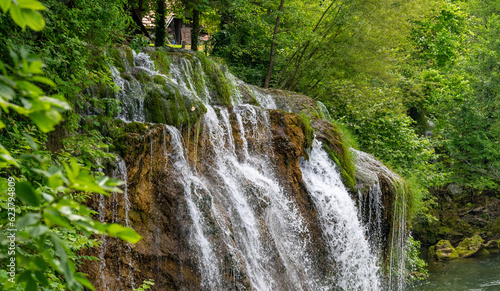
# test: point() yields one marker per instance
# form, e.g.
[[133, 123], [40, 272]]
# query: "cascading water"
[[121, 173], [264, 222], [246, 228], [389, 244], [131, 96], [113, 203], [399, 237], [193, 187], [370, 211], [357, 267]]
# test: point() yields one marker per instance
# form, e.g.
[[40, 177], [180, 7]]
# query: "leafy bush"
[[43, 223]]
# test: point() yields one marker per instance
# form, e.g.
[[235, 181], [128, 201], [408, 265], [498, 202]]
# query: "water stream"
[[356, 264]]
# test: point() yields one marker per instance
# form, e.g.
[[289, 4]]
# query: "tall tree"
[[273, 46]]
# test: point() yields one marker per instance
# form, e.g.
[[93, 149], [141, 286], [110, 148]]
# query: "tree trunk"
[[195, 30], [273, 47], [160, 29], [137, 18]]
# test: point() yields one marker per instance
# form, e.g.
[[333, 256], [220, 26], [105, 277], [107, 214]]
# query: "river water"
[[472, 274]]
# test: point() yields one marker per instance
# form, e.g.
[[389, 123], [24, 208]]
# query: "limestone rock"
[[469, 246], [443, 250]]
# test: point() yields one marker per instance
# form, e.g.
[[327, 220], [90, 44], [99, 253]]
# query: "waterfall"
[[370, 210], [399, 237], [356, 265], [121, 173], [245, 228], [193, 187], [389, 245], [112, 203], [131, 96]]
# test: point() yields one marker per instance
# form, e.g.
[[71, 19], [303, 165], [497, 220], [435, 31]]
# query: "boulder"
[[443, 250], [469, 246], [493, 246]]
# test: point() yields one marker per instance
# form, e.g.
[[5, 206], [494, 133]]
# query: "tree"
[[273, 46], [160, 29], [195, 29]]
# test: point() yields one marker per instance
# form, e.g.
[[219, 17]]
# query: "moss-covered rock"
[[469, 246], [142, 76], [165, 104], [443, 250], [121, 57], [493, 246], [218, 84], [135, 127], [162, 59], [331, 137], [158, 79]]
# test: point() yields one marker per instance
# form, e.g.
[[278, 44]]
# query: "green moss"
[[483, 252], [218, 84], [143, 77], [165, 105], [129, 56], [469, 246], [126, 76], [158, 79], [135, 127], [117, 59], [337, 144], [305, 124], [162, 60], [154, 105], [101, 91], [443, 250]]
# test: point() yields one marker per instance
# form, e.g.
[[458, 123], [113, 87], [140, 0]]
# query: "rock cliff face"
[[459, 219], [218, 182]]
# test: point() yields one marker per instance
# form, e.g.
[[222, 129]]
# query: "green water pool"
[[471, 274]]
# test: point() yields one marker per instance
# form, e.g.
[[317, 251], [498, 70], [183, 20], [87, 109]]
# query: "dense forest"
[[414, 83]]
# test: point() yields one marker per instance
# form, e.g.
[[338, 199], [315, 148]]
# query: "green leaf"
[[45, 120], [27, 195], [55, 181], [40, 263], [31, 284], [30, 4], [41, 278], [53, 217], [5, 5], [33, 19], [30, 88], [35, 67], [55, 102], [64, 265], [31, 142], [6, 92], [124, 233], [38, 230], [84, 281], [17, 16], [27, 220], [43, 80], [6, 159]]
